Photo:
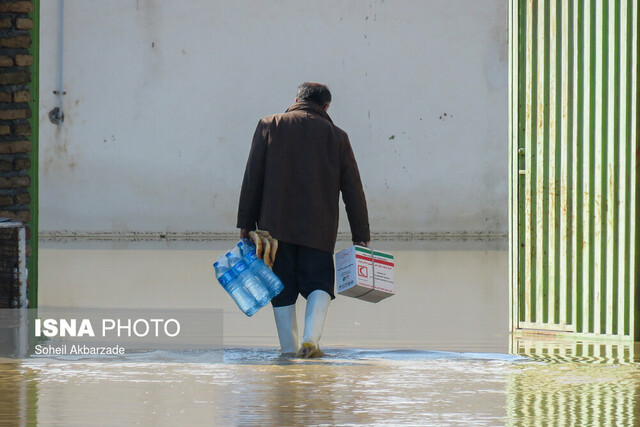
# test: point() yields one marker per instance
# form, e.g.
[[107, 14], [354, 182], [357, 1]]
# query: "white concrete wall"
[[162, 98]]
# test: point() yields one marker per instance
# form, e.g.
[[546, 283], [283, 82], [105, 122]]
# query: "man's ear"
[[326, 107]]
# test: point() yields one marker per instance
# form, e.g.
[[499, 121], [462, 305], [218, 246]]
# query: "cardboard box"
[[355, 275]]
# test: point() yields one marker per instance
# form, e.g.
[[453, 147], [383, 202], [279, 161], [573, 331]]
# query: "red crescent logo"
[[363, 271]]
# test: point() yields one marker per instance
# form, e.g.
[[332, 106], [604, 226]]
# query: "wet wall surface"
[[444, 299]]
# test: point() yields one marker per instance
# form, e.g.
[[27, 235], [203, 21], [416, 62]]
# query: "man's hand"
[[365, 244]]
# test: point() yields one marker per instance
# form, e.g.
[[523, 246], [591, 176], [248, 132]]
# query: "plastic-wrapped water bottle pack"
[[246, 278]]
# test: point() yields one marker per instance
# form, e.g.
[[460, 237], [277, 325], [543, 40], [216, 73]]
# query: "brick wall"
[[15, 128]]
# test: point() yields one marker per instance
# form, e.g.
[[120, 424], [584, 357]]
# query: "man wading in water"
[[298, 164]]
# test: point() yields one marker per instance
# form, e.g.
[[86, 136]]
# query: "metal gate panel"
[[573, 152]]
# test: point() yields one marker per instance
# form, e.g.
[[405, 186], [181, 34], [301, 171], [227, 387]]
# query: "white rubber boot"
[[287, 326], [314, 319]]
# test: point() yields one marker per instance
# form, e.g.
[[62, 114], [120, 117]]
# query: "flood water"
[[436, 353]]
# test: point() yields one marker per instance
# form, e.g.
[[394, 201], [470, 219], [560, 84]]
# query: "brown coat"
[[298, 164]]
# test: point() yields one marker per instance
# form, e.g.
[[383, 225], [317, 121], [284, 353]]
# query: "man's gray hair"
[[314, 92]]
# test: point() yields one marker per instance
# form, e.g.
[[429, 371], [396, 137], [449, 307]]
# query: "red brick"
[[24, 60], [22, 199], [23, 216], [21, 96], [16, 42], [19, 6], [19, 78], [5, 97], [6, 200], [15, 114], [15, 147], [6, 23], [22, 164], [22, 129], [24, 23], [5, 165], [15, 182], [5, 130], [6, 61]]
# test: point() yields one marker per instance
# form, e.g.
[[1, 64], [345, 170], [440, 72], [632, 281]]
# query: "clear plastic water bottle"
[[230, 283], [259, 268], [250, 282]]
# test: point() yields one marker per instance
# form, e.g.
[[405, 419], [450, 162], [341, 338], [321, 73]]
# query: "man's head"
[[314, 92]]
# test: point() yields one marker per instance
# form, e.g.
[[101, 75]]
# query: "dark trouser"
[[302, 271]]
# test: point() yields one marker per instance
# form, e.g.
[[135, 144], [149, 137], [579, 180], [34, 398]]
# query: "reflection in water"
[[362, 387], [18, 395], [574, 395], [344, 389], [556, 349], [297, 394], [581, 383]]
